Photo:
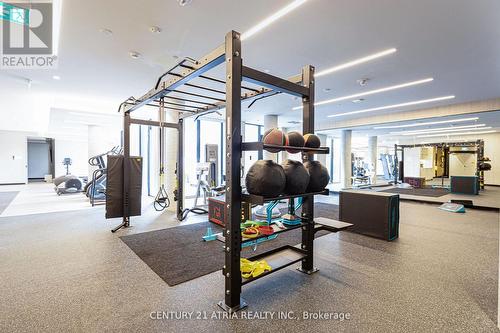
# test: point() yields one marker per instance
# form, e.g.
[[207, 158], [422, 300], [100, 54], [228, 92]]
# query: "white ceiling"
[[386, 137], [454, 41]]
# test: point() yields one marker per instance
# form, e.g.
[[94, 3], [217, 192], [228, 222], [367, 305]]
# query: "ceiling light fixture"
[[358, 100], [429, 123], [393, 106], [371, 92], [56, 25], [274, 17], [454, 134], [56, 77], [443, 129], [356, 62]]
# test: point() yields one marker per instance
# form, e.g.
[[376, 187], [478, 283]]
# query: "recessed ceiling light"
[[460, 120], [371, 92], [134, 55], [356, 62], [183, 3], [274, 17], [106, 31], [359, 100], [453, 134], [56, 77], [393, 106], [155, 29]]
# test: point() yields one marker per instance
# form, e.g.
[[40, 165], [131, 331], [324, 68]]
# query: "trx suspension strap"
[[161, 200]]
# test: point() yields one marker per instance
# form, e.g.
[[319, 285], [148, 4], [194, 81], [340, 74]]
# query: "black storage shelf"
[[288, 228], [249, 146], [260, 200], [278, 258]]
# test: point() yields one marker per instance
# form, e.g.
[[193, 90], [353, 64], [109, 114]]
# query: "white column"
[[270, 121], [372, 157], [345, 159], [322, 157], [95, 145], [284, 153]]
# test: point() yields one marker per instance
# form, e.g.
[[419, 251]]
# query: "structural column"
[[322, 157], [270, 121], [98, 144], [372, 157], [345, 158], [284, 154]]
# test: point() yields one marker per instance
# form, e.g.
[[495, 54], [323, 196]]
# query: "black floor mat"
[[423, 192], [6, 198], [179, 254]]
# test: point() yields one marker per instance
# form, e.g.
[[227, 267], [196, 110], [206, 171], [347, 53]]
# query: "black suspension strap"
[[161, 200]]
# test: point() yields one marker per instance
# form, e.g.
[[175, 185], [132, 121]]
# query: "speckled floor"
[[489, 197], [66, 272]]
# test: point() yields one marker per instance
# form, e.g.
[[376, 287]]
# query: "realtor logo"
[[27, 35]]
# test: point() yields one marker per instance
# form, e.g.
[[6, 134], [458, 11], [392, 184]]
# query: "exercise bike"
[[68, 183]]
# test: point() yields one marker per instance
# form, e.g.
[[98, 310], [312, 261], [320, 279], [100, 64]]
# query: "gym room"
[[236, 166]]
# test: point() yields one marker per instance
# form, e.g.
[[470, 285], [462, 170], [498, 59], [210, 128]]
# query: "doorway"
[[40, 159]]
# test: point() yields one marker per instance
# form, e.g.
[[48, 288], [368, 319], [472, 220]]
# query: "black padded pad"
[[371, 213], [114, 186]]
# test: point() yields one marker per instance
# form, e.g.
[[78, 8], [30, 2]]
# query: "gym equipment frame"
[[478, 144], [127, 122], [301, 85]]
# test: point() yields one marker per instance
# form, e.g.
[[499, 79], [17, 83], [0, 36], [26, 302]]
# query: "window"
[[197, 134], [252, 133]]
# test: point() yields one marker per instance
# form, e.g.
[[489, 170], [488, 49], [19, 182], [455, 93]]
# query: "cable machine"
[[167, 89], [162, 200]]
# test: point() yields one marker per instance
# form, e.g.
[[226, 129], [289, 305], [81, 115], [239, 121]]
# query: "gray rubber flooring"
[[6, 198], [65, 272]]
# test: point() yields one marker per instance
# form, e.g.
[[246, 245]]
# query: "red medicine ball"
[[274, 137]]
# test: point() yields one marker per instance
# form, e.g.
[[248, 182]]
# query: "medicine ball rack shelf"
[[288, 228], [246, 146], [189, 102], [260, 200]]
